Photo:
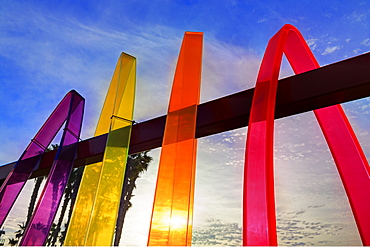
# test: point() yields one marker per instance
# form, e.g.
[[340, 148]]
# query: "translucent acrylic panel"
[[100, 189], [58, 231], [70, 109], [171, 223], [17, 216], [28, 160], [259, 217], [104, 214], [39, 226]]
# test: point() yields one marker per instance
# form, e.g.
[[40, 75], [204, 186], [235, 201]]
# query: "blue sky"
[[50, 47]]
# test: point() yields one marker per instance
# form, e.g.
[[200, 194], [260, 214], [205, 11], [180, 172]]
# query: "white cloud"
[[68, 52], [262, 20], [217, 233], [330, 49], [312, 41], [227, 69], [356, 51], [366, 42], [297, 228], [357, 16]]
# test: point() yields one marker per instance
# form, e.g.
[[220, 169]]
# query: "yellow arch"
[[95, 212]]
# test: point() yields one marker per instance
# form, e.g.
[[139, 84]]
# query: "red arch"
[[259, 220]]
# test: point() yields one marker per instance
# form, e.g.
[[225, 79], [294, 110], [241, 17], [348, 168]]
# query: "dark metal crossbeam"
[[332, 84]]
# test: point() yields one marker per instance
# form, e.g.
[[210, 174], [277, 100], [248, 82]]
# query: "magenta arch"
[[259, 220]]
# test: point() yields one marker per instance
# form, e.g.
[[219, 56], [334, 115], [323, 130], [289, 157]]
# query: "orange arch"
[[172, 216]]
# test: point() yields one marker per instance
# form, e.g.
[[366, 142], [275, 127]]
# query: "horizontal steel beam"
[[332, 84]]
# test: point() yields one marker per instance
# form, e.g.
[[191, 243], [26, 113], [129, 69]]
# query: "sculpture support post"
[[351, 162], [171, 223], [70, 109], [95, 213], [259, 222], [42, 218]]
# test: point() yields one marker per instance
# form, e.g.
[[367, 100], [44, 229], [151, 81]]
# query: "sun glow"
[[178, 222]]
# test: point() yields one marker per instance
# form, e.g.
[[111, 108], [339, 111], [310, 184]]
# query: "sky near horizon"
[[48, 48]]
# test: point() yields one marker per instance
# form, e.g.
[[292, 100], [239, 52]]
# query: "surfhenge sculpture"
[[96, 208]]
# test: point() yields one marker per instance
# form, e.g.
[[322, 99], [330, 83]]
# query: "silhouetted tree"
[[13, 241], [136, 164], [50, 237], [36, 188], [33, 198], [70, 193], [18, 234]]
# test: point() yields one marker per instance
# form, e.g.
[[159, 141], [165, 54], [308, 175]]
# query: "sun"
[[178, 222]]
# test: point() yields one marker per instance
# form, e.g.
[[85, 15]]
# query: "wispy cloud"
[[227, 69], [63, 51], [330, 49], [52, 52], [366, 42], [295, 228], [311, 203], [358, 16], [216, 232], [312, 43]]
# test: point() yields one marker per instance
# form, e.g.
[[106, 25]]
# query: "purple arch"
[[69, 110]]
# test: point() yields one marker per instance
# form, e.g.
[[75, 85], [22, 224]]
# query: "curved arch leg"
[[70, 109], [16, 179], [259, 221], [42, 218], [172, 216], [94, 216]]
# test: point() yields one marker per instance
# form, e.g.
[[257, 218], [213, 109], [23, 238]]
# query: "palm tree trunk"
[[61, 217], [125, 204], [136, 164], [33, 199], [75, 184]]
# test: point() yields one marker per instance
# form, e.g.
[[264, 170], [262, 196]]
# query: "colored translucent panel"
[[70, 109], [94, 216], [172, 215], [351, 162], [38, 229], [259, 223]]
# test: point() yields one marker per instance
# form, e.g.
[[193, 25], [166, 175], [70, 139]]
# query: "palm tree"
[[69, 197], [33, 198], [51, 235], [70, 193], [13, 241], [36, 188], [18, 234], [35, 192], [136, 164]]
